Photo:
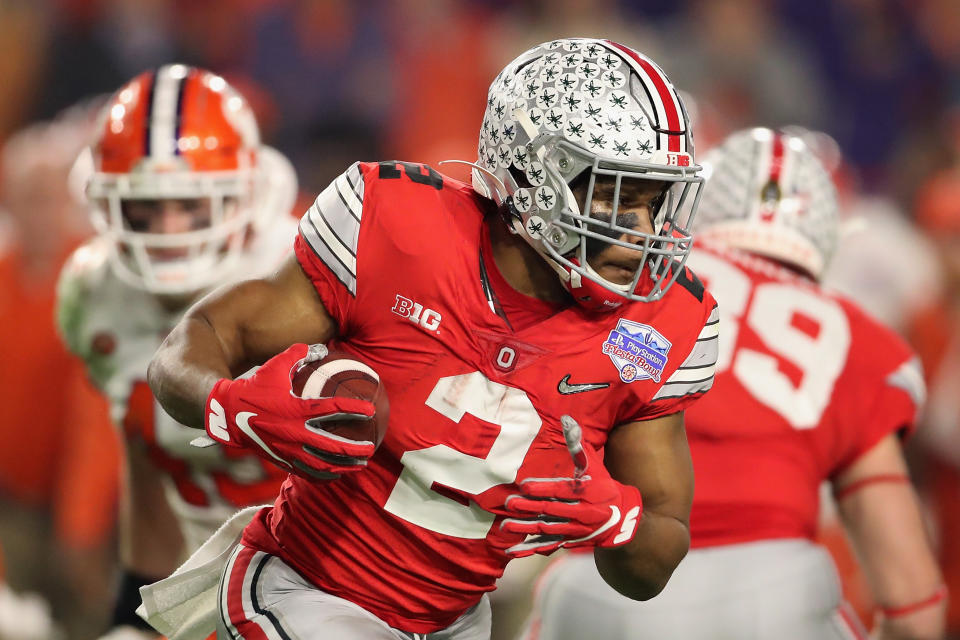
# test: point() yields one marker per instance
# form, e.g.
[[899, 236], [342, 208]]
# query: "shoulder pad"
[[688, 280], [85, 269]]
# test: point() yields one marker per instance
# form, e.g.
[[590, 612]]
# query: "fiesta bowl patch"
[[638, 351]]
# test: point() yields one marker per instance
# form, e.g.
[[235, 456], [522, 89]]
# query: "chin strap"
[[623, 288]]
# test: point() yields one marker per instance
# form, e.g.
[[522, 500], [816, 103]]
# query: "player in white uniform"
[[808, 389], [183, 195]]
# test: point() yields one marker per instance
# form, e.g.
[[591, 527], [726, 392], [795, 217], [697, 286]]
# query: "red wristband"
[[895, 478], [905, 610]]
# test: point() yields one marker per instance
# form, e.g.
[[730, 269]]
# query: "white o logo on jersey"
[[506, 357]]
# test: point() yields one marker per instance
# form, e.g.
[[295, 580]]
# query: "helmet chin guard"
[[585, 107]]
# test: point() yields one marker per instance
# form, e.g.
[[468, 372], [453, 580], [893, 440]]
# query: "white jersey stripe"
[[678, 391], [909, 377], [326, 255], [710, 330], [331, 226], [704, 352], [692, 374], [337, 216], [695, 374], [355, 179], [348, 197], [342, 246], [714, 315], [163, 111]]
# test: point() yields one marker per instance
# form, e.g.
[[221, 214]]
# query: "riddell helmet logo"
[[414, 312]]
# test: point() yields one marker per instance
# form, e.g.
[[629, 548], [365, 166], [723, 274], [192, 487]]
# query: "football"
[[340, 375]]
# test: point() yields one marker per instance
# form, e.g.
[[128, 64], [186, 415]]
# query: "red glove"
[[261, 413], [586, 511]]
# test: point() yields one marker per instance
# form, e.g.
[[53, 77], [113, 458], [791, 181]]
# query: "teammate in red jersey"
[[808, 389], [451, 293]]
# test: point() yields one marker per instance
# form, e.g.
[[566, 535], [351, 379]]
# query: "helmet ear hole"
[[518, 177], [578, 187]]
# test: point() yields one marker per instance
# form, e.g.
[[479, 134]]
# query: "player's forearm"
[[881, 514], [640, 570], [185, 368], [151, 543]]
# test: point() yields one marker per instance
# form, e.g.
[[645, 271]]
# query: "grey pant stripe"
[[223, 625], [256, 605]]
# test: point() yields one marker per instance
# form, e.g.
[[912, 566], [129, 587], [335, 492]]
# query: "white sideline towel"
[[184, 605]]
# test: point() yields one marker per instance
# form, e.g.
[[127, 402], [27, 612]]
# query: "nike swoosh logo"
[[566, 388], [243, 421]]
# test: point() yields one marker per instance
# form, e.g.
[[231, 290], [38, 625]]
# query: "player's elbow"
[[641, 569], [647, 588], [155, 370], [642, 584], [158, 369]]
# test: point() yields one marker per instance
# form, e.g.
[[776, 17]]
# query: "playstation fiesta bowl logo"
[[638, 351]]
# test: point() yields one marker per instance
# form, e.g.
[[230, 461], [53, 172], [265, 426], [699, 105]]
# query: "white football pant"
[[771, 590], [261, 596]]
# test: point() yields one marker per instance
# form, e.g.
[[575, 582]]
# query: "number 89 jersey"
[[806, 383], [401, 259]]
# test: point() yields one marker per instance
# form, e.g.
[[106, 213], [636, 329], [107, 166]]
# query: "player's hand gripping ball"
[[331, 429], [339, 375]]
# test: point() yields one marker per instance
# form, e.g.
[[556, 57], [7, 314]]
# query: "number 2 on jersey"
[[820, 354], [455, 396]]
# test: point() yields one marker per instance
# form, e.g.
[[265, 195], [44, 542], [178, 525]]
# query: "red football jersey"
[[401, 258], [806, 382]]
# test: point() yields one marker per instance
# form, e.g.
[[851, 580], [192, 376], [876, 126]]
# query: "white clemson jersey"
[[116, 328]]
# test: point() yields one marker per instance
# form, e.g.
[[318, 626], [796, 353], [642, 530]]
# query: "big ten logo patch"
[[414, 312]]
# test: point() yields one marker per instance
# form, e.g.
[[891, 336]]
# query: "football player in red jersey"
[[552, 288], [808, 389], [182, 195]]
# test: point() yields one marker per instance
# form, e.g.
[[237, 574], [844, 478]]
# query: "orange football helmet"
[[182, 133]]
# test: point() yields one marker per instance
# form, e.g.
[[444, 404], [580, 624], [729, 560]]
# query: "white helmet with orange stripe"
[[565, 113], [768, 193], [180, 139]]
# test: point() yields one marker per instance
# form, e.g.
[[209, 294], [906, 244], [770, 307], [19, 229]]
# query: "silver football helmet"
[[585, 105], [768, 193]]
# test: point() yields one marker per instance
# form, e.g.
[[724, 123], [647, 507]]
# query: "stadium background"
[[334, 81]]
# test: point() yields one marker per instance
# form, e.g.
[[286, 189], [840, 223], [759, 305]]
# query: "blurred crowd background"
[[333, 81]]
